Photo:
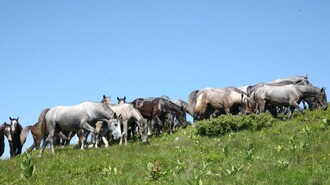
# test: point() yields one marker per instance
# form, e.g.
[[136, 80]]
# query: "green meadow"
[[252, 149]]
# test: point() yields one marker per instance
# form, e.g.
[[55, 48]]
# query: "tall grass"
[[283, 152]]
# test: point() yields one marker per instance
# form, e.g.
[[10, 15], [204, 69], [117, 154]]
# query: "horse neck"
[[173, 108], [2, 130], [105, 111], [308, 90], [136, 114]]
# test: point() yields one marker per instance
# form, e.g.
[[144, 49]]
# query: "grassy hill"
[[285, 152]]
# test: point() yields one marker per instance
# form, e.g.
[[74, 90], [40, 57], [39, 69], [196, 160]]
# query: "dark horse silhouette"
[[156, 109], [15, 131], [4, 131]]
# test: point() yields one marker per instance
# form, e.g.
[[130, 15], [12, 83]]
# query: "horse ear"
[[11, 119], [17, 118], [124, 98], [117, 98], [115, 115], [103, 96]]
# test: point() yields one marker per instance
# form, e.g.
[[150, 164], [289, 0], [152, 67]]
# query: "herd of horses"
[[104, 121]]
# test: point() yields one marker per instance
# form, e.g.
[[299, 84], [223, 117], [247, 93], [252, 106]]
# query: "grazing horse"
[[129, 115], [289, 96], [15, 131], [4, 131], [210, 102], [73, 118], [156, 108]]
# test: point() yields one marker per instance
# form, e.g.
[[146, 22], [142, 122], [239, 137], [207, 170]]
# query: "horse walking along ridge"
[[116, 121], [81, 116]]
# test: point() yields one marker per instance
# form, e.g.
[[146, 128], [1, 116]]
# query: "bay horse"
[[158, 107], [4, 131], [15, 131], [76, 117], [129, 116]]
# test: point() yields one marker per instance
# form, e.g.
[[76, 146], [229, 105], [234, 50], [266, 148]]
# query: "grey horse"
[[288, 96], [73, 118], [129, 115]]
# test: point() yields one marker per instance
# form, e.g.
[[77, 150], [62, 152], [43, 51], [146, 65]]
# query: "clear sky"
[[66, 52]]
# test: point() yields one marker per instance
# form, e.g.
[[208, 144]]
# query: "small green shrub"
[[230, 123]]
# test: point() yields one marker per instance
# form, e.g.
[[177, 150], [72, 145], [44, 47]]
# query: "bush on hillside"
[[231, 123]]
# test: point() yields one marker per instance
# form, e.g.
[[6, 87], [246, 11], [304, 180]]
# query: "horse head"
[[143, 129], [6, 131], [114, 126], [121, 100], [106, 100], [249, 105], [13, 124], [322, 99]]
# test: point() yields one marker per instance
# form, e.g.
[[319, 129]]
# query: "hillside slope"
[[288, 152]]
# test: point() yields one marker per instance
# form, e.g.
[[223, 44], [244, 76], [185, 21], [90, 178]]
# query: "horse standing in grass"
[[15, 131], [129, 116], [157, 108], [81, 116], [210, 102], [4, 131], [289, 96]]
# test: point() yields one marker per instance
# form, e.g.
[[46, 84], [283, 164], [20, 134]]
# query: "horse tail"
[[42, 122], [24, 134], [201, 106], [192, 101]]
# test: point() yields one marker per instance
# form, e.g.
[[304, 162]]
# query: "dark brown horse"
[[15, 131], [4, 131], [157, 108]]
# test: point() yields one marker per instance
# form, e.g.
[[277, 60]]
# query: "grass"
[[288, 152]]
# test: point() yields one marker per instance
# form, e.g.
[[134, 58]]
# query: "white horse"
[[129, 115], [73, 118]]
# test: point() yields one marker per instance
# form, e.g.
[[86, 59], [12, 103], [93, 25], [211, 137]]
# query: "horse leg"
[[49, 140], [170, 120], [296, 105], [32, 147], [86, 126], [159, 125], [12, 150], [124, 134], [19, 148], [105, 141], [262, 105]]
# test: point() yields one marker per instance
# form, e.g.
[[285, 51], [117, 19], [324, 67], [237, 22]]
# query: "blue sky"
[[66, 52]]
